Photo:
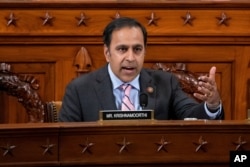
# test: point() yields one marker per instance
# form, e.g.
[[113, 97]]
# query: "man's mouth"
[[128, 68]]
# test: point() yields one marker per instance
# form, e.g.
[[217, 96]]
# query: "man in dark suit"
[[125, 42]]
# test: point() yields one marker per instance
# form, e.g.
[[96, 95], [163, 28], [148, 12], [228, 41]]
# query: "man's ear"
[[106, 53]]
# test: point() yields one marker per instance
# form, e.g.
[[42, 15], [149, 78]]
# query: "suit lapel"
[[104, 90], [147, 83]]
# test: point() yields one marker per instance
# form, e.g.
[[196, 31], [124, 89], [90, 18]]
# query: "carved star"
[[47, 147], [152, 19], [11, 20], [117, 16], [161, 144], [223, 19], [124, 145], [47, 19], [82, 20], [7, 149], [239, 144], [188, 19], [86, 146], [201, 145]]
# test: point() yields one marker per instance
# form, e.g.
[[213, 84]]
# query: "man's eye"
[[122, 49], [137, 50]]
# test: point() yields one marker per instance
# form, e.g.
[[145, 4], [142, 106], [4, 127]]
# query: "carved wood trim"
[[188, 80], [24, 87], [82, 62]]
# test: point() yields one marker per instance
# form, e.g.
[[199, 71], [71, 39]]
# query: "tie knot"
[[126, 87]]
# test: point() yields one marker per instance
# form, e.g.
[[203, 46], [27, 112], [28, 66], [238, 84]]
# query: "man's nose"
[[130, 55]]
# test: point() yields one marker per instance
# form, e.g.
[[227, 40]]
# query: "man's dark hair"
[[119, 23]]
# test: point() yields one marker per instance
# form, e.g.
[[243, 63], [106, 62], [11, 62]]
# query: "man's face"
[[126, 53]]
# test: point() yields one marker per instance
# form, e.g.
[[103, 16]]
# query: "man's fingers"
[[212, 73]]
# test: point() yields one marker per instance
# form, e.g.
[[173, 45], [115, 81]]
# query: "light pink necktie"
[[126, 102]]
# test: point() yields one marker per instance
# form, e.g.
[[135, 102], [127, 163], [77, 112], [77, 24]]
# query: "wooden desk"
[[137, 143]]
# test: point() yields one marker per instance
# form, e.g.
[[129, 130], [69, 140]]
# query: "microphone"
[[143, 100]]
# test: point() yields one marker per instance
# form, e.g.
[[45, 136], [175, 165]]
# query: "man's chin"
[[127, 78]]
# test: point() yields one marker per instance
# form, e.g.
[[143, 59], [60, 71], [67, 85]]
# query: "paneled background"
[[44, 38]]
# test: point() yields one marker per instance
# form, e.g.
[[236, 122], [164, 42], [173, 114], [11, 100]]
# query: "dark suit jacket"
[[86, 95]]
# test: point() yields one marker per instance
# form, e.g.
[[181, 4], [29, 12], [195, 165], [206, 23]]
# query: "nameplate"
[[126, 115]]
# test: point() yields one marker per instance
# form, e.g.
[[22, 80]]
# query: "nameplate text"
[[126, 115]]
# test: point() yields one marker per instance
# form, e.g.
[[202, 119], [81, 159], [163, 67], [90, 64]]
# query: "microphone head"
[[143, 100]]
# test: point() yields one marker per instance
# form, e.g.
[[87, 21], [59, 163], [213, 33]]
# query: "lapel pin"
[[150, 89]]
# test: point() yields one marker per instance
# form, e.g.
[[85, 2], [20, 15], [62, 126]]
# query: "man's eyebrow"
[[137, 45], [127, 46], [122, 45]]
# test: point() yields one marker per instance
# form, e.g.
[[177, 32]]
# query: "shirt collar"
[[116, 82]]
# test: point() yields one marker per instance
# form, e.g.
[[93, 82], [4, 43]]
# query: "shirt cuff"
[[212, 115]]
